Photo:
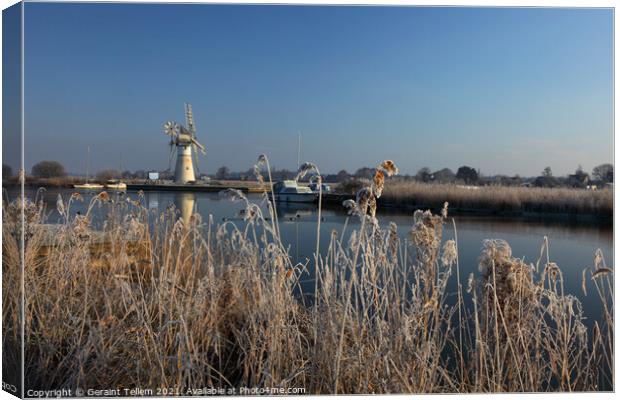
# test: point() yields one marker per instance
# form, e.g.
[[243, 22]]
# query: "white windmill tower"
[[185, 140]]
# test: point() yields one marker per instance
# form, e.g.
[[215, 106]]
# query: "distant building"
[[578, 180], [546, 181]]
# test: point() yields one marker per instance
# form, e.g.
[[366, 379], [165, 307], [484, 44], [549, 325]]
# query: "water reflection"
[[288, 212], [152, 200], [186, 204]]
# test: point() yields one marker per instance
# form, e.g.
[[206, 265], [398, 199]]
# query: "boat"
[[117, 184], [325, 188], [88, 185], [114, 184], [291, 192]]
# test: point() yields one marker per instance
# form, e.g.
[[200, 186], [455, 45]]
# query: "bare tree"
[[48, 169], [424, 174], [467, 174], [603, 172], [364, 172]]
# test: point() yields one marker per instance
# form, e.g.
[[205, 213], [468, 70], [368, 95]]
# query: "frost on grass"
[[197, 304]]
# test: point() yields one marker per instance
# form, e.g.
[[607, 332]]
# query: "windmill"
[[184, 139]]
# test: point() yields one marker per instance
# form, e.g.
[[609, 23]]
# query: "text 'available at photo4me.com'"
[[162, 391]]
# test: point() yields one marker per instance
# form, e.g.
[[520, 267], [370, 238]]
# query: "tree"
[[48, 169], [351, 185], [279, 174], [579, 171], [546, 181], [444, 175], [467, 174], [108, 174], [603, 172], [7, 172], [547, 172], [365, 172], [222, 173], [424, 174], [342, 175]]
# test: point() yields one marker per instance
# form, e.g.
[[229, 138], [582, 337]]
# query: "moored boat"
[[114, 184], [88, 186], [290, 191]]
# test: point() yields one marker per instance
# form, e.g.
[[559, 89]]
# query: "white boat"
[[113, 184], [325, 188], [290, 191], [88, 186]]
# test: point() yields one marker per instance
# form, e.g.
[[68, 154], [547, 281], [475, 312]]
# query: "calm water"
[[572, 245]]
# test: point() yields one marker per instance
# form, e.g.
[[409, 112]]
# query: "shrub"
[[48, 169], [351, 185]]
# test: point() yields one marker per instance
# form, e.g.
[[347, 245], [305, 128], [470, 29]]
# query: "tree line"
[[601, 174], [465, 174]]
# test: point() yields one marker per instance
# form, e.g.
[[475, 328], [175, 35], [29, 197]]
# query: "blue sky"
[[505, 90]]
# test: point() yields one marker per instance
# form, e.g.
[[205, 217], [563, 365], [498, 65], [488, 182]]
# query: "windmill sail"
[[189, 119]]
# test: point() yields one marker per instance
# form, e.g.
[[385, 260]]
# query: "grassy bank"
[[411, 195], [192, 304], [69, 181], [61, 182], [499, 199]]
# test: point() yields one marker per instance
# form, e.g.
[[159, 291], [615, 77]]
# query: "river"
[[571, 245]]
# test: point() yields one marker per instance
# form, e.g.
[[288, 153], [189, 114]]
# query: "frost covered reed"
[[500, 199], [153, 301]]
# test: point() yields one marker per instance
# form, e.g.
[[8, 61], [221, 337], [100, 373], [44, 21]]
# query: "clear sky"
[[506, 90]]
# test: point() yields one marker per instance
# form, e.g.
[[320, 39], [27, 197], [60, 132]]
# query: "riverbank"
[[496, 200], [564, 203], [145, 185]]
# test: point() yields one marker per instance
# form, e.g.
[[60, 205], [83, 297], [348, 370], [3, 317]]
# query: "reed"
[[164, 302], [499, 198]]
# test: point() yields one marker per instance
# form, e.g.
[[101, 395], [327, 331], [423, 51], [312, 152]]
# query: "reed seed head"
[[305, 169], [389, 167], [444, 210], [104, 196], [378, 182], [449, 253]]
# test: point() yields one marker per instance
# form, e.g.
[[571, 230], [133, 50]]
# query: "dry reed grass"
[[500, 198], [193, 304]]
